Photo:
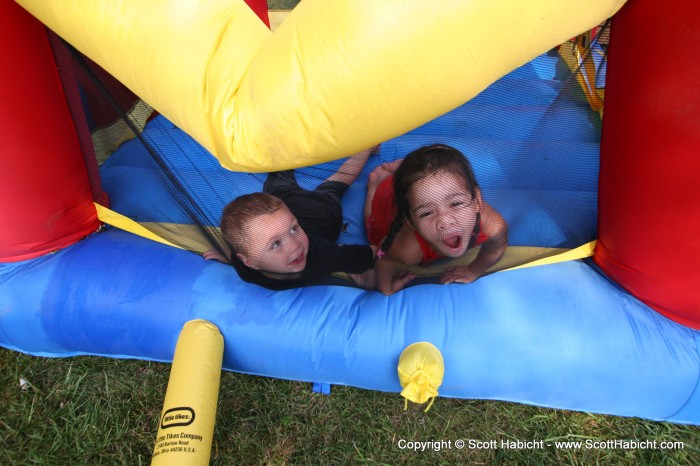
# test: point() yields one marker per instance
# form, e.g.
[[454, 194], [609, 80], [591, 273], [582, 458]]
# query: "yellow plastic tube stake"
[[186, 424]]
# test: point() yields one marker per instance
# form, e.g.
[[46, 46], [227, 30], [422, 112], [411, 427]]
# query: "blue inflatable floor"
[[560, 336]]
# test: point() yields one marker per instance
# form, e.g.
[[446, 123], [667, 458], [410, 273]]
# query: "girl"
[[430, 208]]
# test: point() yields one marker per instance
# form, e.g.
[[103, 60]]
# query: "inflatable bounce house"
[[214, 99]]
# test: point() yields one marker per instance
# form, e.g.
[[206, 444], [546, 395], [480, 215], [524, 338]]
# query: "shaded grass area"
[[281, 4], [89, 410]]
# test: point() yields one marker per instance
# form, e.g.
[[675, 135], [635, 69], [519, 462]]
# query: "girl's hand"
[[460, 274], [400, 280], [389, 278]]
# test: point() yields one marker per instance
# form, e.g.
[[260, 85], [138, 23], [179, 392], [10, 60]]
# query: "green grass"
[[93, 411], [281, 4]]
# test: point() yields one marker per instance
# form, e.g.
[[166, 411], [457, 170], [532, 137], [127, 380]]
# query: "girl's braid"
[[396, 225]]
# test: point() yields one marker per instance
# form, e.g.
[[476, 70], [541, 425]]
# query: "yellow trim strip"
[[125, 223], [578, 253], [120, 221]]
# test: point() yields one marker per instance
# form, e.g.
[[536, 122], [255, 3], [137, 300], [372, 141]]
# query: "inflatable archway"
[[561, 335], [277, 105]]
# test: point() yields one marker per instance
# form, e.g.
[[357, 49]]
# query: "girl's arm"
[[491, 251], [403, 250], [389, 278]]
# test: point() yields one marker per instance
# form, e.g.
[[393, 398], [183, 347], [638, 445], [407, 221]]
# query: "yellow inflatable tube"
[[186, 427], [336, 77]]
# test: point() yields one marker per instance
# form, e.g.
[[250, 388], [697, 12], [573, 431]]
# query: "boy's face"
[[276, 244], [443, 212]]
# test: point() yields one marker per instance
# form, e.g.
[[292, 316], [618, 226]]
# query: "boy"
[[285, 236]]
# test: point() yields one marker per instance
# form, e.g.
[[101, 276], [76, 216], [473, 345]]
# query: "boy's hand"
[[214, 254], [390, 167], [382, 171], [366, 280]]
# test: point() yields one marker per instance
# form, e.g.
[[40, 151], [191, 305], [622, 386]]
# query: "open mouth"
[[453, 242], [298, 260]]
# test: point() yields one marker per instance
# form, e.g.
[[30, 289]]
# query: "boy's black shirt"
[[319, 213], [323, 258]]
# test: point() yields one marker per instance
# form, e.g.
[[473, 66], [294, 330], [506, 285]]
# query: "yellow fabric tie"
[[125, 223], [115, 219], [578, 253]]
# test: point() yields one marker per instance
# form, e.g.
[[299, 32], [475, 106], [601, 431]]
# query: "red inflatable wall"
[[649, 203], [45, 197], [260, 9]]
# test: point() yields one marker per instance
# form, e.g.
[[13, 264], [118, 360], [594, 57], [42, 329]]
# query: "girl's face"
[[443, 211]]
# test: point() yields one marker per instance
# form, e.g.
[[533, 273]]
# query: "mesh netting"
[[532, 138]]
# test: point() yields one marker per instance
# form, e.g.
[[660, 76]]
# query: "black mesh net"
[[532, 139]]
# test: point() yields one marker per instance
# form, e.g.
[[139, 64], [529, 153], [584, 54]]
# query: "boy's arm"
[[352, 258]]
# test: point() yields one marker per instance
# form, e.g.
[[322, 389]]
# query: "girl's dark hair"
[[416, 166]]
